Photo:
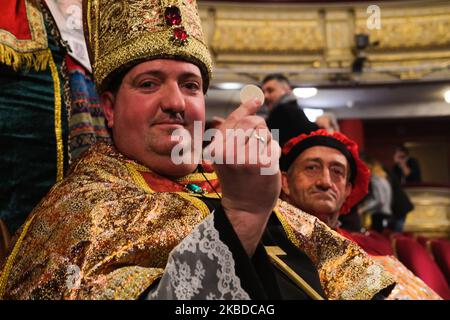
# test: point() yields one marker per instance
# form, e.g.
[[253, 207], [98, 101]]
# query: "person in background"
[[328, 121], [49, 108], [323, 175], [401, 205], [378, 203], [285, 113], [406, 168]]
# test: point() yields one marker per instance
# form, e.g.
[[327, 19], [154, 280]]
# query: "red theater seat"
[[441, 253], [387, 233], [371, 245], [408, 234], [416, 258], [382, 243], [424, 241]]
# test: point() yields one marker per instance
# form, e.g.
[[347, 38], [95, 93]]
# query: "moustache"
[[170, 118]]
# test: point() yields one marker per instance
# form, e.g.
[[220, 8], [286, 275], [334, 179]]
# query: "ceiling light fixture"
[[305, 92], [447, 96], [229, 85], [312, 114]]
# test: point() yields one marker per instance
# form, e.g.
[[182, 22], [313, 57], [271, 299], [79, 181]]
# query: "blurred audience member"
[[351, 221], [49, 108], [401, 205], [328, 121], [322, 174], [387, 202], [379, 200], [406, 168], [284, 112]]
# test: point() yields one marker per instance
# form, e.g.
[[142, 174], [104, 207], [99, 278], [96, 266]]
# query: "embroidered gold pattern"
[[345, 270], [99, 221], [133, 167], [409, 286], [125, 32]]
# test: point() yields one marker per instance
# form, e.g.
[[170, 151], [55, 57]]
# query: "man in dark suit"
[[406, 168], [284, 112]]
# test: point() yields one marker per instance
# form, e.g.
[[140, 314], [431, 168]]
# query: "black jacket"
[[401, 204], [289, 118], [414, 177]]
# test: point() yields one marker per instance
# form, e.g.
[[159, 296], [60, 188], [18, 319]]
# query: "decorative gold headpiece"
[[121, 33]]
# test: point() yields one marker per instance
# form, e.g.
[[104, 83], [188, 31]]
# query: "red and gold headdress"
[[359, 173], [120, 34]]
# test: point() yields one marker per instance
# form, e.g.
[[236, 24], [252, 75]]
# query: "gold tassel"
[[20, 60]]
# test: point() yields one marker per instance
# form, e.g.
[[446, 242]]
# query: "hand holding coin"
[[250, 92]]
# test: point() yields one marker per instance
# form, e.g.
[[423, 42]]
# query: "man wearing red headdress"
[[323, 175]]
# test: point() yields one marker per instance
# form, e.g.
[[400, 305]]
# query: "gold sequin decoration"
[[409, 286], [139, 179], [345, 270], [97, 234], [196, 202], [122, 33]]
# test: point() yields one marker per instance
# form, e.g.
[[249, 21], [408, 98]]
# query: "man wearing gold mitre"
[[128, 221]]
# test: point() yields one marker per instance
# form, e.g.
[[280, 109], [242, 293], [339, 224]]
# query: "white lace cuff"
[[200, 267]]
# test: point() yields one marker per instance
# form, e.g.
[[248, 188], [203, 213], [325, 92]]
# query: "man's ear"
[[107, 100], [285, 183]]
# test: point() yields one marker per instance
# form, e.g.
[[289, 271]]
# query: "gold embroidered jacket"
[[97, 235], [104, 233]]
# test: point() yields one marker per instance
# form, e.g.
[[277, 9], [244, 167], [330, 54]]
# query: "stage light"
[[447, 96], [312, 114], [229, 85], [305, 92]]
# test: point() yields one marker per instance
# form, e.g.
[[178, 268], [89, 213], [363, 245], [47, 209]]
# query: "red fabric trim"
[[13, 18], [361, 185], [72, 65], [346, 234]]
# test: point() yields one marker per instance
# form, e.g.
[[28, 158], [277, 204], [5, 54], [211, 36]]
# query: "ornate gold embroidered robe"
[[106, 233]]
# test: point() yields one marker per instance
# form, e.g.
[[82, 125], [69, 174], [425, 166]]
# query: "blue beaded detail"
[[193, 188]]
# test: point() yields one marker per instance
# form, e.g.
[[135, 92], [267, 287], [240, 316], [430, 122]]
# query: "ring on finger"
[[258, 137]]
